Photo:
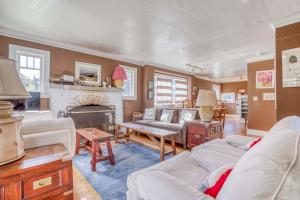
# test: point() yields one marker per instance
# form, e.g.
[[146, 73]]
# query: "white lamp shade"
[[11, 86], [206, 98]]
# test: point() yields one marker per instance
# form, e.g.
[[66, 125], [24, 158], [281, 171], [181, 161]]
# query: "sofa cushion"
[[187, 115], [158, 113], [166, 115], [157, 124], [143, 121], [149, 114], [291, 122], [269, 170], [157, 185], [173, 126], [215, 154]]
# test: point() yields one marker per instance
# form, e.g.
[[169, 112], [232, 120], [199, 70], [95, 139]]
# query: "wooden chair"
[[219, 114], [187, 104]]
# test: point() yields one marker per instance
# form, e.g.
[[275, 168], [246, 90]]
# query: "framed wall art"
[[265, 79], [291, 68]]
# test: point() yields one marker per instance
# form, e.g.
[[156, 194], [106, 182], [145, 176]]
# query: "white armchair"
[[41, 129]]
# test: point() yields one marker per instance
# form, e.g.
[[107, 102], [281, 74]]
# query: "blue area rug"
[[110, 181]]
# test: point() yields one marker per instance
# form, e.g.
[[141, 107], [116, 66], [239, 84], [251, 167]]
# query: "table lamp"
[[11, 87], [119, 76], [206, 100]]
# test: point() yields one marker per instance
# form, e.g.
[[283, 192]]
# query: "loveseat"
[[174, 125], [268, 170]]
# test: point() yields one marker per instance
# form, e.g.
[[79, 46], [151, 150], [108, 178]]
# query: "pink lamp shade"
[[119, 73]]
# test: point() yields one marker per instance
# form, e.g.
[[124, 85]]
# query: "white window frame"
[[16, 50], [232, 94], [217, 89], [134, 96]]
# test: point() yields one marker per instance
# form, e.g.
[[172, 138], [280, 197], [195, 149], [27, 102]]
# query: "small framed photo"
[[265, 79], [150, 94], [269, 96], [150, 85]]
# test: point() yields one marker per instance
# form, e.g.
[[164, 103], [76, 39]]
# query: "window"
[[33, 67], [217, 89], [169, 90], [229, 97], [130, 85]]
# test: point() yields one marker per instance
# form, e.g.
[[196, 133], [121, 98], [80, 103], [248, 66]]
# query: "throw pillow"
[[149, 114], [187, 115], [166, 115], [214, 182]]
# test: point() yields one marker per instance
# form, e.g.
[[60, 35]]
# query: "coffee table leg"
[[77, 143], [110, 152], [173, 145], [118, 129], [162, 149], [95, 149]]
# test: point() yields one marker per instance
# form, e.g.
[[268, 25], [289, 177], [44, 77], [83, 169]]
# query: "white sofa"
[[269, 170], [39, 128]]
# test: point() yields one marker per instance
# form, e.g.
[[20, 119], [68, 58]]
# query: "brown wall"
[[287, 99], [261, 113], [63, 62], [230, 88]]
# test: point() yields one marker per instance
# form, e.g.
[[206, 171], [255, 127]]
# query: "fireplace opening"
[[93, 116]]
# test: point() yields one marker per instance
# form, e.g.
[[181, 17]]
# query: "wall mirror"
[[87, 73]]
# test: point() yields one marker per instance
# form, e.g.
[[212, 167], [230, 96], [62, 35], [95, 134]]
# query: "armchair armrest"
[[47, 132], [157, 185]]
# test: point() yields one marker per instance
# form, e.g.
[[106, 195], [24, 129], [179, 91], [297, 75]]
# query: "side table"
[[199, 132], [92, 137], [43, 173]]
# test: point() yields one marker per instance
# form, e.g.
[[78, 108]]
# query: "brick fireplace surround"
[[62, 96]]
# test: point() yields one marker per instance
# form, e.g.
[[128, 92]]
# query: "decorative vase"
[[119, 83]]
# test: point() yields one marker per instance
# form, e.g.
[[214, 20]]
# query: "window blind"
[[170, 90]]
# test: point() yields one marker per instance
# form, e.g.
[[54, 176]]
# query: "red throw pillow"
[[214, 190], [254, 143]]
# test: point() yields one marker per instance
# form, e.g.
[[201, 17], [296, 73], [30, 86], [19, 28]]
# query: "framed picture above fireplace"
[[87, 73]]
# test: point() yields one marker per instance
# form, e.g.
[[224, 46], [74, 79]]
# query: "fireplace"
[[97, 116]]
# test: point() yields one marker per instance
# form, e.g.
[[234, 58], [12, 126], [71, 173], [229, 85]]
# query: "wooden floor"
[[84, 191]]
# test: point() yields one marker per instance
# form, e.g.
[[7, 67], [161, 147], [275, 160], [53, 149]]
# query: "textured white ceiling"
[[218, 35]]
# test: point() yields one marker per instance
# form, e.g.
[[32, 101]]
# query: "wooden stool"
[[92, 137]]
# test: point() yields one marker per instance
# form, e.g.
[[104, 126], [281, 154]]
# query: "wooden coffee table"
[[92, 137], [152, 133]]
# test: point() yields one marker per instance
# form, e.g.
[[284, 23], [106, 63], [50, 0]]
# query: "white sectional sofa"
[[269, 170], [39, 128]]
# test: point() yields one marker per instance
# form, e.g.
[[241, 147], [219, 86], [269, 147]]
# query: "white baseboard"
[[256, 132]]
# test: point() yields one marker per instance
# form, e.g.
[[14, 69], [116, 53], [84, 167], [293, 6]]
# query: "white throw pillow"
[[238, 140], [149, 114], [166, 115], [269, 170], [187, 115], [291, 122]]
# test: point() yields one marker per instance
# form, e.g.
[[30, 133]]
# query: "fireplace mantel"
[[86, 88]]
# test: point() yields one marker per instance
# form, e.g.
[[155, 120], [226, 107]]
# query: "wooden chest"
[[199, 132], [41, 174]]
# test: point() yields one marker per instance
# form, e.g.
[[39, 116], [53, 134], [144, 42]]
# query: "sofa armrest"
[[47, 132], [137, 117], [157, 185]]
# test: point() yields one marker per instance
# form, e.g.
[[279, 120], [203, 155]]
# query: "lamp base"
[[206, 113], [119, 83], [11, 140]]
